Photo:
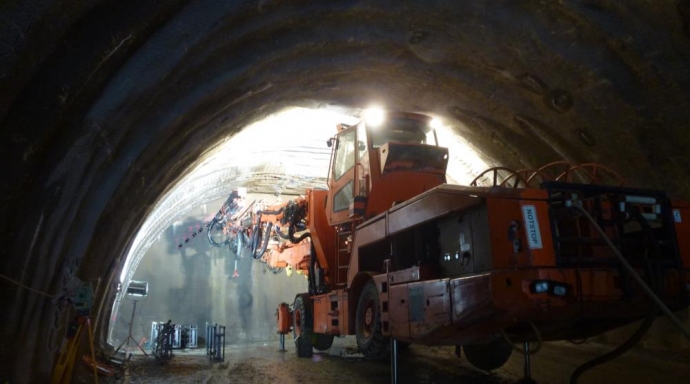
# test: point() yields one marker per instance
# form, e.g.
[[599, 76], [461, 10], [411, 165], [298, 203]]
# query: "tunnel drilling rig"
[[393, 252]]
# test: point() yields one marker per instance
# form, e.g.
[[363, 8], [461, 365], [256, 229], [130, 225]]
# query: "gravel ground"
[[262, 363]]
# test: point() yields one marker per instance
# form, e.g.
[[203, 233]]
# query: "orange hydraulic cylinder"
[[284, 317]]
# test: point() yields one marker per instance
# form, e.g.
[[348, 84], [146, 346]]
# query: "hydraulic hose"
[[521, 350], [282, 235], [210, 230], [633, 273], [312, 269], [260, 240], [293, 217], [278, 212], [291, 235], [621, 349]]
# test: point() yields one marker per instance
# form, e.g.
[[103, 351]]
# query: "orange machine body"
[[496, 245], [454, 265]]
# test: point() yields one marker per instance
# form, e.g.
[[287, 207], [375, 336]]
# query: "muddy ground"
[[262, 363]]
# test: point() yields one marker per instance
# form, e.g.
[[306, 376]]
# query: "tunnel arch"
[[106, 104]]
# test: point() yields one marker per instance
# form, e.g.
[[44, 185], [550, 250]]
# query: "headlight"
[[547, 286], [540, 287], [374, 116], [559, 290]]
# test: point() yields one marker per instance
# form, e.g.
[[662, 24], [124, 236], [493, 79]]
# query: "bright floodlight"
[[436, 124], [374, 116], [138, 288]]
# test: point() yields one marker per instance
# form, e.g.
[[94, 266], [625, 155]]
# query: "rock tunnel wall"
[[104, 104]]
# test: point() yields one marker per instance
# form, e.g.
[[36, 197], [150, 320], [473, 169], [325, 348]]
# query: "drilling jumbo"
[[392, 251]]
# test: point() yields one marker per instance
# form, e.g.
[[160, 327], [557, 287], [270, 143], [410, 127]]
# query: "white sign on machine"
[[529, 214]]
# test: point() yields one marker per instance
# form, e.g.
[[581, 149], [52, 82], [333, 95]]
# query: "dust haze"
[[193, 282]]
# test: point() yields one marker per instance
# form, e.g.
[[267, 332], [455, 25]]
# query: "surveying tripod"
[[62, 373], [130, 337]]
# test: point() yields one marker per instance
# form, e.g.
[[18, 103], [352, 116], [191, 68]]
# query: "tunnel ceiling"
[[105, 104]]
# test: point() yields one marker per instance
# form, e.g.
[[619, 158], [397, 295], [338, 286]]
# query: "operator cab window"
[[402, 130], [361, 141], [345, 155]]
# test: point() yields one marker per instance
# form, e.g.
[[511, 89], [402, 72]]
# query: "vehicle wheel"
[[488, 356], [302, 325], [322, 342], [368, 325]]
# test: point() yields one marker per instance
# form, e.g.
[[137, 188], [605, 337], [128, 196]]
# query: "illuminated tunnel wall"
[[194, 284]]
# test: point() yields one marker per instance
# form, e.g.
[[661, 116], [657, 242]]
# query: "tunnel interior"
[[106, 106]]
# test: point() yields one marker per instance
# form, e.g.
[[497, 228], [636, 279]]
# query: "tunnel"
[[106, 106]]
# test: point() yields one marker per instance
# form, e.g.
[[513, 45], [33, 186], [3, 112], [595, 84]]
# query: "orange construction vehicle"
[[392, 251]]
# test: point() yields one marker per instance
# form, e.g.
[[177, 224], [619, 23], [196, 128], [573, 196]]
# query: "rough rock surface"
[[104, 104]]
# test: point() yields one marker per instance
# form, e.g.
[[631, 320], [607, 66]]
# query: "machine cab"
[[386, 158]]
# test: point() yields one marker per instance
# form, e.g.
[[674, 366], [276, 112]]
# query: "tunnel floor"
[[262, 363]]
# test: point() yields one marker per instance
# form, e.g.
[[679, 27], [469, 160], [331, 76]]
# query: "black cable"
[[634, 274], [519, 349], [282, 235], [261, 238], [291, 235], [312, 270], [278, 212], [644, 327], [209, 233], [621, 349]]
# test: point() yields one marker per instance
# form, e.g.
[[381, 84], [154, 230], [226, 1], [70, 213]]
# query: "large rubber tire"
[[488, 356], [370, 341], [302, 325], [322, 342]]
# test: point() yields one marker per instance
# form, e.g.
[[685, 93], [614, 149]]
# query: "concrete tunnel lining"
[[107, 104]]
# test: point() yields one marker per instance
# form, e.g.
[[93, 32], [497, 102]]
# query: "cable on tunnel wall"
[[17, 283]]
